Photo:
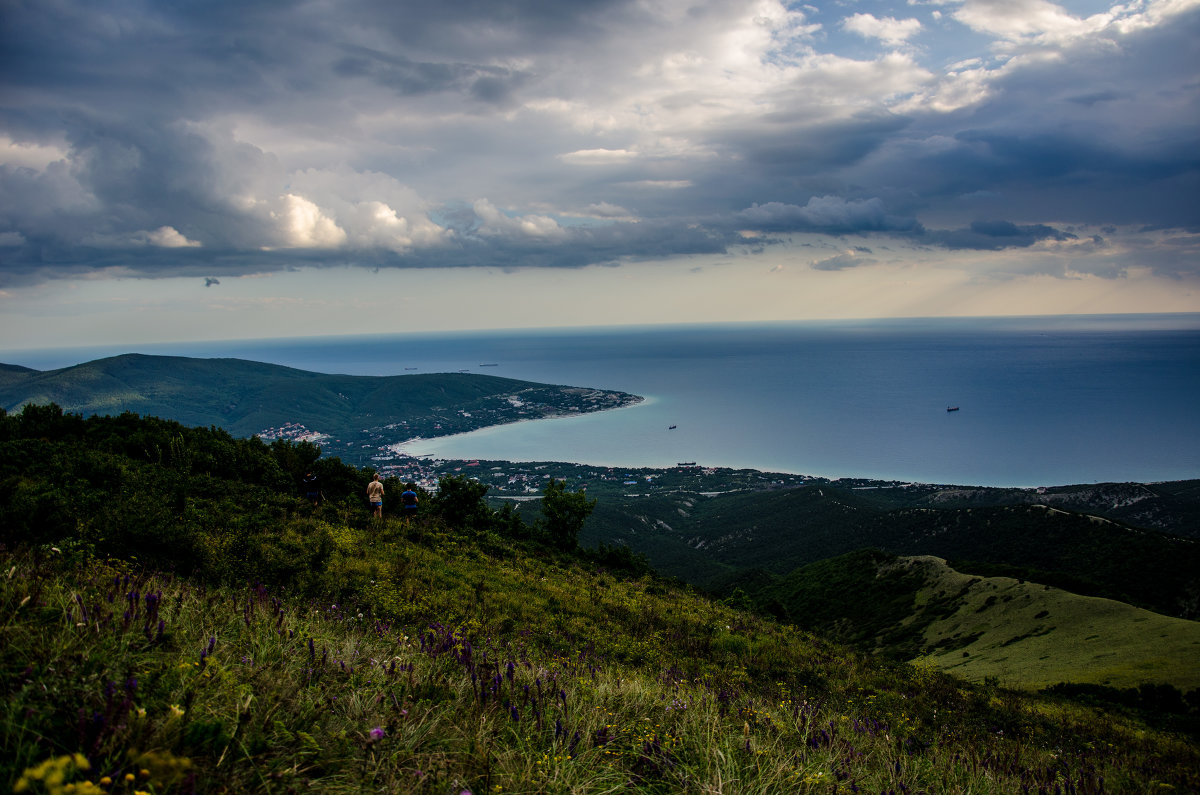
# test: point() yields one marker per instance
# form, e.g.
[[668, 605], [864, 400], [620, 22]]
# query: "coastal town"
[[517, 480], [379, 445]]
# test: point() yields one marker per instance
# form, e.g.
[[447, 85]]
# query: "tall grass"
[[422, 660]]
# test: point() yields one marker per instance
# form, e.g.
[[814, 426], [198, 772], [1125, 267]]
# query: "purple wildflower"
[[377, 734]]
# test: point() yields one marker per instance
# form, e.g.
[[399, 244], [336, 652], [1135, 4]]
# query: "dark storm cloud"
[[231, 137], [841, 262], [406, 77], [1103, 132], [993, 236], [830, 214]]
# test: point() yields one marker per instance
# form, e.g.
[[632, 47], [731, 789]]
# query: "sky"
[[174, 171]]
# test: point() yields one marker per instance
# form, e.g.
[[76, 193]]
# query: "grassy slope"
[[615, 683], [1032, 636], [703, 539], [1025, 634], [245, 397]]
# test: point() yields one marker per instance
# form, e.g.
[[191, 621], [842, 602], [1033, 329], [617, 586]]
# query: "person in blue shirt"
[[408, 500]]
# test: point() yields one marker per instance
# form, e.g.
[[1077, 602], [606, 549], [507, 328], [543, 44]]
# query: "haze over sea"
[[1041, 401]]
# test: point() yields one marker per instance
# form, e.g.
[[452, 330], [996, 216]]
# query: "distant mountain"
[[247, 398], [14, 373]]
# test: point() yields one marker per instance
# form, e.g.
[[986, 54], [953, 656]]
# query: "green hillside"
[[246, 398], [1030, 635], [1021, 633], [179, 619], [707, 538]]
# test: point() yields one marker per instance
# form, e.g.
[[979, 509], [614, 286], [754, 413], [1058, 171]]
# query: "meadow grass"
[[431, 661], [1033, 636]]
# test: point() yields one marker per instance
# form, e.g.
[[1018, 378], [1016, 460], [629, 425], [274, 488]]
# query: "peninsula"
[[352, 417]]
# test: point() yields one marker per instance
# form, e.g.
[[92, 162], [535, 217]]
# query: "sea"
[[1032, 401]]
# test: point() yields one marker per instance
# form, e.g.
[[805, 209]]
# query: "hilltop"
[[179, 619], [353, 417], [1024, 634]]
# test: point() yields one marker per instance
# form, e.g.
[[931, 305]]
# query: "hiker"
[[312, 489], [408, 501], [375, 496]]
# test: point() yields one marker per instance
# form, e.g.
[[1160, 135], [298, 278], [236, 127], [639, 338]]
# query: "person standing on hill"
[[408, 501], [375, 496], [312, 489]]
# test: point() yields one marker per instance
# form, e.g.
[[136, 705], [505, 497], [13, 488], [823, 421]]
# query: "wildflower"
[[51, 771], [377, 734], [174, 712]]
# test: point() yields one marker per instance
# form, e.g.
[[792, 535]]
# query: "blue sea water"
[[1041, 401]]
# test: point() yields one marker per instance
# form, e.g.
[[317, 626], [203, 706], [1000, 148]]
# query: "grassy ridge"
[[1024, 634], [705, 539], [1029, 635]]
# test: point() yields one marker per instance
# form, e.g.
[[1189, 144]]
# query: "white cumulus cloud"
[[888, 29], [170, 237], [303, 225], [499, 224]]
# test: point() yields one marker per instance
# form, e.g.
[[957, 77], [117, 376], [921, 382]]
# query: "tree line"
[[203, 502]]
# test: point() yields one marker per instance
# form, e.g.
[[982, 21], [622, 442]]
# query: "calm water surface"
[[1041, 401]]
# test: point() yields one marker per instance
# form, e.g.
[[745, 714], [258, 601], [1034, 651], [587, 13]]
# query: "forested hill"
[[246, 398]]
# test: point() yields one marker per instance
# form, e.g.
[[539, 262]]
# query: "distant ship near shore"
[[951, 408]]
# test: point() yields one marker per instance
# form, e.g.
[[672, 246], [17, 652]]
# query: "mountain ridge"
[[247, 398]]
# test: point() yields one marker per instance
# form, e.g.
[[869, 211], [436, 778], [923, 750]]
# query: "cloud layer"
[[241, 137]]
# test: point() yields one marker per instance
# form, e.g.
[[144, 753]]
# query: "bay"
[[1040, 401]]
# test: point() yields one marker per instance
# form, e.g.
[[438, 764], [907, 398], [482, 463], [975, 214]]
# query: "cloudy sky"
[[247, 168]]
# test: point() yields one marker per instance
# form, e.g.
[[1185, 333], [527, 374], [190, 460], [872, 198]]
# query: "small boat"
[[951, 408], [489, 364], [673, 427], [410, 368]]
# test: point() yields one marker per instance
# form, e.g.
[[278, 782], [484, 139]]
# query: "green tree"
[[459, 501], [563, 513], [295, 458]]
